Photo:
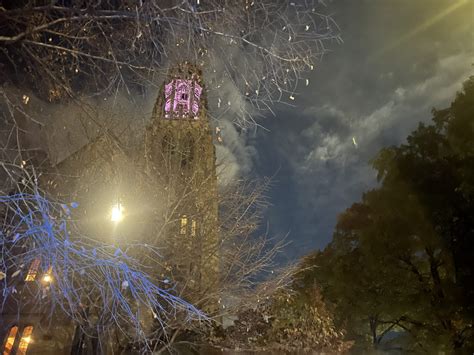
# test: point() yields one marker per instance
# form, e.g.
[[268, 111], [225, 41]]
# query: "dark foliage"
[[400, 269]]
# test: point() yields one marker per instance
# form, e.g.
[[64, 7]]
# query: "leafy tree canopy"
[[400, 268]]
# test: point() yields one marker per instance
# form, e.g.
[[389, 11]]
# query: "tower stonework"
[[179, 151]]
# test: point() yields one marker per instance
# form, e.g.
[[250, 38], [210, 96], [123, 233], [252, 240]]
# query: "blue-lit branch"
[[88, 278]]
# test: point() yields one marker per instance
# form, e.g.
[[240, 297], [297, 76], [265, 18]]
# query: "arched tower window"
[[182, 102], [10, 340], [25, 340], [168, 145], [187, 151], [33, 270], [182, 98], [183, 224]]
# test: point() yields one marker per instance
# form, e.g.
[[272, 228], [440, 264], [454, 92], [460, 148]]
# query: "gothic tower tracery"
[[179, 150]]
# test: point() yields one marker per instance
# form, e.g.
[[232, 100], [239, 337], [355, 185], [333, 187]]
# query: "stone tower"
[[179, 152], [169, 192]]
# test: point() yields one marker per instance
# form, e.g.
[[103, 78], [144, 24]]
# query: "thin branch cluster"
[[253, 53], [96, 285]]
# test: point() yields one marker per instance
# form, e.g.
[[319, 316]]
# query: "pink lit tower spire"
[[182, 93], [180, 157]]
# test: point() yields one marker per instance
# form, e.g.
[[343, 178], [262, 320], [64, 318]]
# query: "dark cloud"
[[400, 58]]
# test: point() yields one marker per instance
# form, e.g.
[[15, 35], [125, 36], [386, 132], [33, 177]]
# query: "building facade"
[[162, 193]]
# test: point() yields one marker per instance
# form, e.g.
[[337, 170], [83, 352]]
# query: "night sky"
[[400, 58]]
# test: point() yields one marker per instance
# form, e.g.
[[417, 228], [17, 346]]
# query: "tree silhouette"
[[401, 259]]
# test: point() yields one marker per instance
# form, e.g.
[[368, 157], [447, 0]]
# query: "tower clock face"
[[182, 99]]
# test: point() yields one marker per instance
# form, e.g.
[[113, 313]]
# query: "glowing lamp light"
[[117, 213], [47, 278], [26, 339]]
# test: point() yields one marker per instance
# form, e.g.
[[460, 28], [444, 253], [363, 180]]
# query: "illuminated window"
[[197, 96], [168, 93], [33, 270], [182, 97], [47, 277], [184, 224], [193, 228], [7, 349], [25, 340]]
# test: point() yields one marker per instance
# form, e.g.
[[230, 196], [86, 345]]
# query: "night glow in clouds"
[[422, 27]]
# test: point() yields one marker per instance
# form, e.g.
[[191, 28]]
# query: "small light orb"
[[47, 278], [117, 213]]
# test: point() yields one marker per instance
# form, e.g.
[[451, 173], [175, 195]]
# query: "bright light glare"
[[117, 213], [47, 278]]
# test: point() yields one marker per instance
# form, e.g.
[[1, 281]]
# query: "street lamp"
[[117, 213]]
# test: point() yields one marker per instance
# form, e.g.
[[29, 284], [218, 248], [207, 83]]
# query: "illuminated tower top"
[[182, 96], [180, 157]]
